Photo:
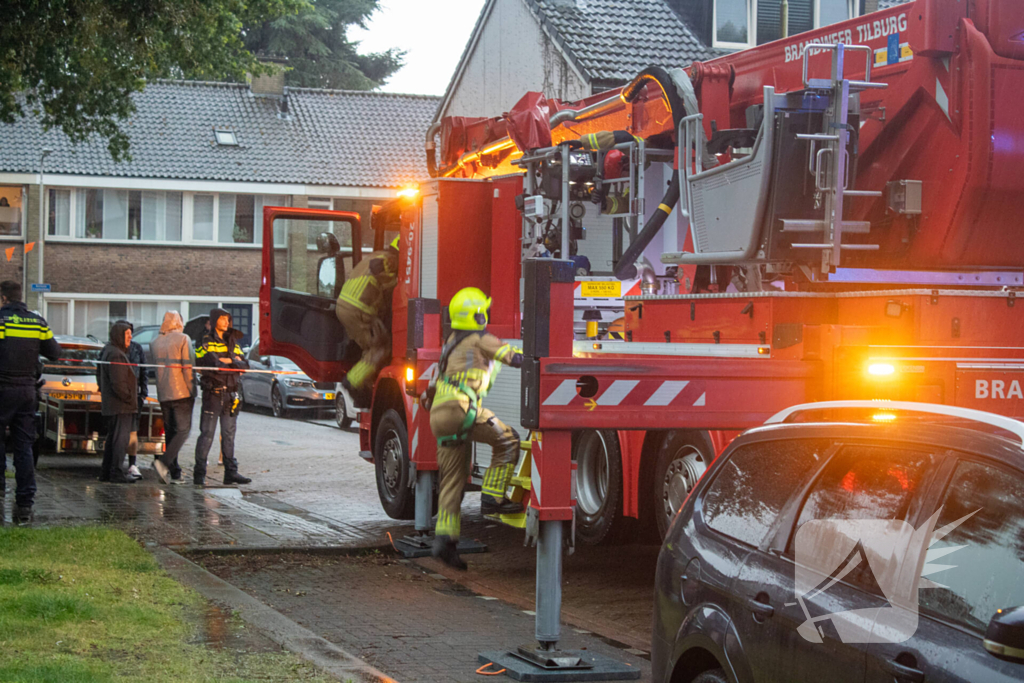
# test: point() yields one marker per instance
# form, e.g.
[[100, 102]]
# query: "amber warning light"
[[881, 369], [408, 192]]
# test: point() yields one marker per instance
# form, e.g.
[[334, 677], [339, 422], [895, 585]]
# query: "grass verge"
[[88, 605]]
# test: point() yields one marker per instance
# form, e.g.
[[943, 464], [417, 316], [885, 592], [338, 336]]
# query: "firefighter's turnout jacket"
[[457, 419], [363, 297], [24, 336]]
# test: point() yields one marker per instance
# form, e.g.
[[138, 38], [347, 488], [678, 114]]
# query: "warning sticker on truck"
[[606, 289]]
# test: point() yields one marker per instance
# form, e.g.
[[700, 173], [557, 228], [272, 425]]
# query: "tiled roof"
[[328, 137], [613, 40]]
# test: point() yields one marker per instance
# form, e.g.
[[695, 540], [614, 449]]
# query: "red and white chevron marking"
[[652, 393]]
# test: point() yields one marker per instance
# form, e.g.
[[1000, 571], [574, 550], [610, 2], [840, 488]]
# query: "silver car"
[[291, 389]]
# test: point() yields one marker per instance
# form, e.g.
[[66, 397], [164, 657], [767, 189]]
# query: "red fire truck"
[[828, 216]]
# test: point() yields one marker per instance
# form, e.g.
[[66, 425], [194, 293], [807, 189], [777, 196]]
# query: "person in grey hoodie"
[[119, 392], [176, 391]]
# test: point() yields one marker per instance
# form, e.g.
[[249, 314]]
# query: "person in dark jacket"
[[220, 353], [119, 395], [137, 357], [24, 336]]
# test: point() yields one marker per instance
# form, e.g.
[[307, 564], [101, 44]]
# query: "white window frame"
[[852, 6], [751, 27], [20, 237]]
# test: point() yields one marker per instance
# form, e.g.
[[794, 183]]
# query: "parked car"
[[283, 393], [144, 336], [70, 420], [810, 551]]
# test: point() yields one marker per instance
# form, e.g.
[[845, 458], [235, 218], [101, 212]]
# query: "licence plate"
[[70, 395], [329, 396]]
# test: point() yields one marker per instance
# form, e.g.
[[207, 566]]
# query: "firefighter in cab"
[[466, 372], [364, 296]]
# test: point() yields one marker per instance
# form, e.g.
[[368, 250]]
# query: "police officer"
[[24, 336], [466, 372], [221, 352], [363, 297]]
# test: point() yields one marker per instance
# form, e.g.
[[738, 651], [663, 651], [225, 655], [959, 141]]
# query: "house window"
[[202, 217], [834, 11], [10, 209], [60, 213], [733, 23]]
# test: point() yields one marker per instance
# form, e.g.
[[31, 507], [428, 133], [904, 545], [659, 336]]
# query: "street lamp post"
[[42, 223]]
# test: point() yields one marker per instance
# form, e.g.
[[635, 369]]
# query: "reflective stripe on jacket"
[[369, 283], [471, 363], [24, 336]]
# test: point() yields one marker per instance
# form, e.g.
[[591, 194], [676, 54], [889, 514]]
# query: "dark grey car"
[[286, 388], [729, 607]]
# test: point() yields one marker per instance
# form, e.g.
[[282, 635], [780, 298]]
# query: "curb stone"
[[276, 626]]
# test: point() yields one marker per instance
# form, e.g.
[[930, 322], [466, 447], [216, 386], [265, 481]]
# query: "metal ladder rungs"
[[862, 193], [820, 137], [811, 225], [851, 247]]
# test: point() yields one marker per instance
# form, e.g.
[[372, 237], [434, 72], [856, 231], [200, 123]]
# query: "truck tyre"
[[598, 486], [712, 676], [391, 462], [682, 459]]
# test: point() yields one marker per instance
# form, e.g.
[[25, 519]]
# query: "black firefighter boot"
[[446, 549], [489, 505]]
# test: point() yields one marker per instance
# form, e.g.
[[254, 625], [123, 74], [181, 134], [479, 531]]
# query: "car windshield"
[[74, 360], [286, 364], [146, 336]]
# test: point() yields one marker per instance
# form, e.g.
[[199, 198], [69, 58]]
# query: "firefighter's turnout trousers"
[[369, 332], [454, 460]]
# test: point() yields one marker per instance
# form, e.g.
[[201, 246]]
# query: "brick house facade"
[[179, 226]]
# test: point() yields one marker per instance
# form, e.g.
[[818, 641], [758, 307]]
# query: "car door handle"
[[759, 608], [902, 672]]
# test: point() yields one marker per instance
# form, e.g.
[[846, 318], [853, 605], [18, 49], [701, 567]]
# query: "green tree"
[[317, 49], [76, 63]]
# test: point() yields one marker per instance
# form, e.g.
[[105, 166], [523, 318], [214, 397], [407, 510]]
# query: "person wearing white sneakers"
[[176, 391]]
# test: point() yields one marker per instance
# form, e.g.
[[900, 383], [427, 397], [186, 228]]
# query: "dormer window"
[[225, 137]]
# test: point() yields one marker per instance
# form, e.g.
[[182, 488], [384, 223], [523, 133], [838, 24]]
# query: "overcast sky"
[[433, 32]]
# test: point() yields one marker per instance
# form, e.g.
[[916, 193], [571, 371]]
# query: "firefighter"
[[466, 372], [363, 298], [24, 336]]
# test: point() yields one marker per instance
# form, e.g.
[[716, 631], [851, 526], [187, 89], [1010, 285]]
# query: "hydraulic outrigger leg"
[[549, 296]]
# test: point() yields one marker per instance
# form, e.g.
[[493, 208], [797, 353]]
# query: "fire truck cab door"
[[306, 255]]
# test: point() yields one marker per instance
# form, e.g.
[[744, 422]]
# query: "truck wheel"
[[683, 457], [598, 485], [391, 461]]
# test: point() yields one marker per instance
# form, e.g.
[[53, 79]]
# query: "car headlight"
[[299, 382]]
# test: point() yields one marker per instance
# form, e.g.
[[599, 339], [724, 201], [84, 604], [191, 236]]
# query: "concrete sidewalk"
[[330, 577]]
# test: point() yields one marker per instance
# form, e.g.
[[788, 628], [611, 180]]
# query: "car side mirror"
[[265, 360], [1005, 635]]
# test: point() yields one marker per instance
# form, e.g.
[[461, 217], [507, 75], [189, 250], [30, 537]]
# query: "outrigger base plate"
[[530, 663], [420, 545]]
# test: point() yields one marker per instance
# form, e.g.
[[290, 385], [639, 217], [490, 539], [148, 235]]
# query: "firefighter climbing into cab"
[[363, 298], [466, 372]]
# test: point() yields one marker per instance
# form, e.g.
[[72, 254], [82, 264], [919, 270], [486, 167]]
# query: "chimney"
[[269, 84]]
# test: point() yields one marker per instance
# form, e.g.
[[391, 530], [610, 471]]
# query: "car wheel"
[[391, 461], [598, 486], [341, 411], [277, 402], [683, 458], [712, 676]]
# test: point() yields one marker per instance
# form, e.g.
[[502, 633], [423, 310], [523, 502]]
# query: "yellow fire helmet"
[[394, 242], [469, 309]]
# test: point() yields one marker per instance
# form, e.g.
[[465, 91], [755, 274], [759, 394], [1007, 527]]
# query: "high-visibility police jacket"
[[24, 336], [369, 283], [209, 354], [471, 364]]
